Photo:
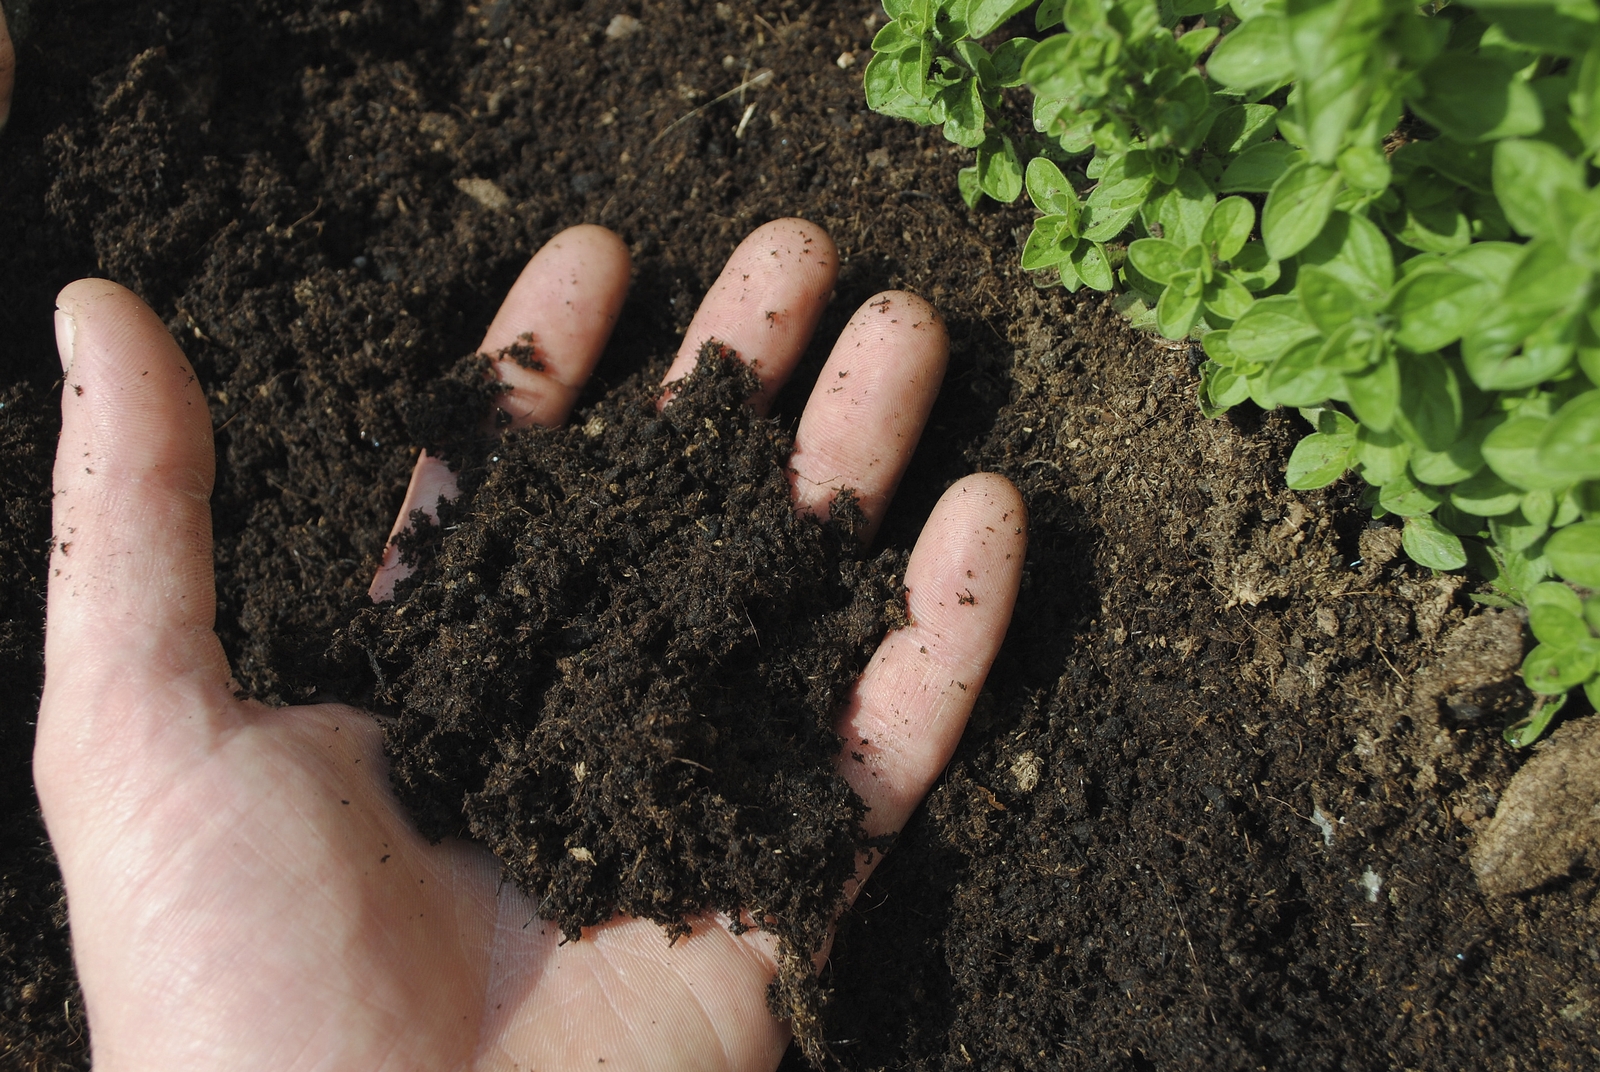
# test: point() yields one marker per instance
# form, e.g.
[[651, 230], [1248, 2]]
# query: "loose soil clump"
[[619, 662]]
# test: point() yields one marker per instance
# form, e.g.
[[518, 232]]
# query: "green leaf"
[[893, 38], [1365, 167], [1492, 262], [1318, 460], [1249, 9], [1430, 402], [1050, 69], [1182, 208], [1557, 595], [1258, 167], [1549, 669], [1089, 261], [1254, 267], [1512, 451], [1269, 329], [1008, 59], [999, 172], [913, 67], [1241, 126], [1460, 460], [1539, 506], [967, 185], [984, 17], [1050, 14], [1515, 531], [1564, 29], [1435, 228], [1434, 308], [1555, 614], [1228, 227], [1328, 303], [1338, 65], [1353, 249], [1569, 508], [1537, 314], [1574, 552], [1045, 246], [1584, 100], [1428, 543], [1404, 497], [1157, 259], [1570, 446], [1298, 379], [1382, 455], [1226, 297], [1526, 731], [1050, 191], [881, 81], [1184, 9], [1179, 306], [1375, 393], [1474, 98], [1528, 177], [1298, 207], [1485, 495], [976, 58], [1254, 56], [1113, 203], [965, 112], [1220, 389]]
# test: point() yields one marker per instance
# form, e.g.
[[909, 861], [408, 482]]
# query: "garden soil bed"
[[1215, 806]]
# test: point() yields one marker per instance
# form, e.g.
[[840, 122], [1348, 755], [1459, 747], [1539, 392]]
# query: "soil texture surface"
[[1217, 805]]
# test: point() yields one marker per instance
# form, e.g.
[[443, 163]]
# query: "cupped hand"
[[244, 891]]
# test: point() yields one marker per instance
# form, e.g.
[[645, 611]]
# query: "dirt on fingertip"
[[1216, 806]]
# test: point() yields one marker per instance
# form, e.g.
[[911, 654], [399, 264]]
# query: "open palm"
[[245, 892]]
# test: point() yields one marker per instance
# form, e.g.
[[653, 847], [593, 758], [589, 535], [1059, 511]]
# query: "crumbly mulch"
[[619, 663]]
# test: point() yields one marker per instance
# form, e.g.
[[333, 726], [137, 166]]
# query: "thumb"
[[132, 594]]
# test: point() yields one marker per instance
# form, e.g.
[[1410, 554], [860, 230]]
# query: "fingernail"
[[66, 336]]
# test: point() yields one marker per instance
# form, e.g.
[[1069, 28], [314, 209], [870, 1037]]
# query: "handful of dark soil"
[[619, 664]]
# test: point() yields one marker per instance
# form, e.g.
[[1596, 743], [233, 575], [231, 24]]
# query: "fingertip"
[[766, 302], [871, 401], [567, 301]]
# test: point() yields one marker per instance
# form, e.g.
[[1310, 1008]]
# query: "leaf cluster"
[[1381, 214]]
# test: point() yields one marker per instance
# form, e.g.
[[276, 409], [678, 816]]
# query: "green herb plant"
[[1383, 215]]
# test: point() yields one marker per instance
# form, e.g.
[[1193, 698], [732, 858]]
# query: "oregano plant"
[[1381, 214]]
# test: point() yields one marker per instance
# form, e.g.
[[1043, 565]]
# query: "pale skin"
[[245, 893]]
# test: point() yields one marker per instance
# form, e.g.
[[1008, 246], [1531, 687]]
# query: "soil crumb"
[[619, 663]]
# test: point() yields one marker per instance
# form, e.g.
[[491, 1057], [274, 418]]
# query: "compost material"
[[619, 662], [1215, 807]]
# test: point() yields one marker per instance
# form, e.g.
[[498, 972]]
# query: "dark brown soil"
[[1215, 807], [620, 660]]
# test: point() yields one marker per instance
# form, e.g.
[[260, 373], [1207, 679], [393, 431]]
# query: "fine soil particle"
[[1215, 806], [619, 664]]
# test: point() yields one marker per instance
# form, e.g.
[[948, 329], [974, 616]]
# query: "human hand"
[[244, 890]]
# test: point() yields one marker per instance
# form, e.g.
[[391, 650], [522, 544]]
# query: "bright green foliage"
[[1384, 215]]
